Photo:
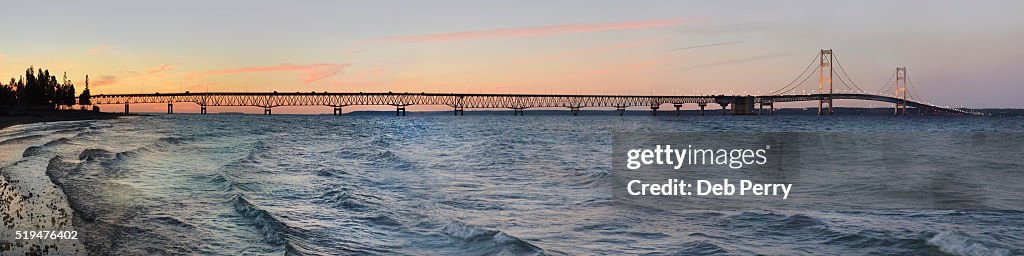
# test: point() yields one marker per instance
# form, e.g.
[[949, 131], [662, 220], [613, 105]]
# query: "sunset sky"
[[956, 52]]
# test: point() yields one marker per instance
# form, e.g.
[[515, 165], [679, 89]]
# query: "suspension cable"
[[844, 83], [841, 68], [887, 83], [911, 82], [798, 85], [797, 77]]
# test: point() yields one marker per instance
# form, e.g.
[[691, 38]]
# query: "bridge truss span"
[[518, 102]]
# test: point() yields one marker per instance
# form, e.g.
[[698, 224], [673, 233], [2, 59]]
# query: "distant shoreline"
[[53, 116]]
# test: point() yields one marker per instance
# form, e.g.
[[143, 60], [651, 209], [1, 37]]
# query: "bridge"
[[730, 104]]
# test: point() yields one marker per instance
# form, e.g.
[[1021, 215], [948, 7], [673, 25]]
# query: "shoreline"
[[53, 116]]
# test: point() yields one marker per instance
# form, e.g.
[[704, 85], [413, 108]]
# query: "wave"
[[174, 140], [386, 155], [805, 227], [701, 248], [346, 199], [957, 243], [32, 151], [57, 169], [104, 223], [330, 172], [483, 241], [380, 142], [20, 139], [802, 227], [798, 221], [588, 178], [273, 230], [57, 142], [111, 161], [224, 180], [389, 158], [228, 184], [341, 198], [251, 158], [37, 150], [93, 154], [74, 130]]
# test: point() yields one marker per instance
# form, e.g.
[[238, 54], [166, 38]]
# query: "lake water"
[[430, 185]]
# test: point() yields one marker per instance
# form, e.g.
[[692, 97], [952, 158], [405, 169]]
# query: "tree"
[[19, 90], [31, 88], [38, 89], [51, 96], [69, 96], [84, 98], [8, 96]]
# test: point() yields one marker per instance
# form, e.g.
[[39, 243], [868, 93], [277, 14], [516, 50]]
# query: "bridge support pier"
[[654, 110], [575, 110], [901, 109], [266, 110], [337, 111], [400, 111], [202, 109], [821, 104], [678, 106], [170, 108], [621, 110], [771, 108], [460, 111], [518, 112], [126, 108], [724, 105], [702, 105]]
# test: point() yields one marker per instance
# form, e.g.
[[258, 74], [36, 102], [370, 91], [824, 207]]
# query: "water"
[[436, 185]]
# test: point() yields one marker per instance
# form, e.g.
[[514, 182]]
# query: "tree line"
[[38, 89]]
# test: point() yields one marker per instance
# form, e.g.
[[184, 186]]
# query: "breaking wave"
[[483, 241], [273, 230], [957, 243]]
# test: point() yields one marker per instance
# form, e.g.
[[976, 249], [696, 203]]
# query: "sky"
[[956, 52]]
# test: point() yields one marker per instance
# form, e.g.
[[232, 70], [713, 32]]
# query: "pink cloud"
[[311, 73], [103, 81], [542, 30], [160, 69]]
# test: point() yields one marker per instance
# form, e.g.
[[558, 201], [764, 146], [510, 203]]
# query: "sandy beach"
[[28, 201]]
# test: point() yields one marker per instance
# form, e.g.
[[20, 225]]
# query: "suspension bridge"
[[903, 95]]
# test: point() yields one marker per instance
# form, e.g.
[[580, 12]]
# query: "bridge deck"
[[463, 100]]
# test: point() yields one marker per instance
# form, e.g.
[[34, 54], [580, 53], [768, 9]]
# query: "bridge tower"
[[825, 65], [901, 91]]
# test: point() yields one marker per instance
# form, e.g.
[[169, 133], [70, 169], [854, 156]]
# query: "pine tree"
[[84, 98]]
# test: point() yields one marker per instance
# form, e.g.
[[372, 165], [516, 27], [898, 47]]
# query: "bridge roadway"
[[740, 105]]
